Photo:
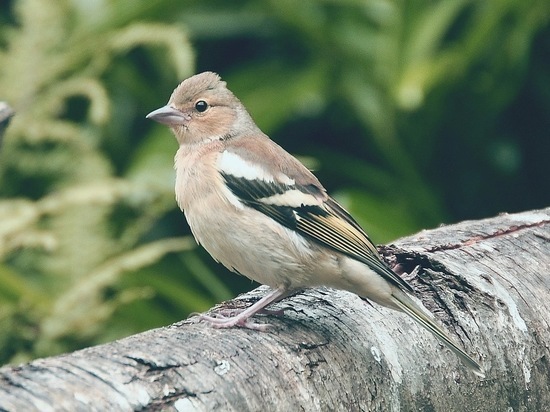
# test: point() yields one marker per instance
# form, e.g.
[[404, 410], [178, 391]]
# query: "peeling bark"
[[487, 281]]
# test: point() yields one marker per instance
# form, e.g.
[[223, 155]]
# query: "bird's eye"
[[201, 106]]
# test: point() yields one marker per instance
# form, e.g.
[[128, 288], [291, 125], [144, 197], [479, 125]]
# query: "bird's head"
[[202, 109]]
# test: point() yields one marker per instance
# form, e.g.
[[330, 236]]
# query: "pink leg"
[[242, 318]]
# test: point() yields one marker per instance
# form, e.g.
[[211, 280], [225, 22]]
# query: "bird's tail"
[[407, 305]]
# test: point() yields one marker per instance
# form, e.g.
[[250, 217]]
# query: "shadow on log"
[[487, 281]]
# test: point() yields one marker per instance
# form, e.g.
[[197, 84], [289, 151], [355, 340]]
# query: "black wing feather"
[[327, 223]]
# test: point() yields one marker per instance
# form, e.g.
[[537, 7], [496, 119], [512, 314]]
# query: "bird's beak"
[[169, 116]]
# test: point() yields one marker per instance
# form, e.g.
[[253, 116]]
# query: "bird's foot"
[[228, 318], [220, 321]]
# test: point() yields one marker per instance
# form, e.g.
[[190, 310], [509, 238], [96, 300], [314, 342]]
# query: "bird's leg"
[[228, 313], [243, 317]]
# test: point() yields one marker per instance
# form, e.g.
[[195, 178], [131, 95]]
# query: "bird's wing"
[[309, 211]]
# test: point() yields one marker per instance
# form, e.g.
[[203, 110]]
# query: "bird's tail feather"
[[407, 305]]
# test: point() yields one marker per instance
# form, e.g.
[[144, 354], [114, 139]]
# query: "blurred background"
[[413, 113]]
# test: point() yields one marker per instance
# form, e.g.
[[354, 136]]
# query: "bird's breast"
[[241, 238]]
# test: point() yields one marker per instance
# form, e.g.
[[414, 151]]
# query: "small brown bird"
[[261, 213]]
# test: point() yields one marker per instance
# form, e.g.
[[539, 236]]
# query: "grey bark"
[[486, 281]]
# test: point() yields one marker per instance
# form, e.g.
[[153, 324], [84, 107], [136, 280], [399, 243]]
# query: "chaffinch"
[[261, 213]]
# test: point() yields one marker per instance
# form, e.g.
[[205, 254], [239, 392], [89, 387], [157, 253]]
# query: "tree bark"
[[486, 281]]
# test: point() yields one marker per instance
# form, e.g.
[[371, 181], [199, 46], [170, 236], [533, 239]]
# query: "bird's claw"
[[228, 318], [220, 321]]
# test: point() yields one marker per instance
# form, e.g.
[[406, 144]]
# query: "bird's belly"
[[257, 247]]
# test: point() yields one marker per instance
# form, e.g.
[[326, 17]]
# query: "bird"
[[261, 213]]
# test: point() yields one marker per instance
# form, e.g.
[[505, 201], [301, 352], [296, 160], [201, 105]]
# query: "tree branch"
[[6, 113], [486, 281]]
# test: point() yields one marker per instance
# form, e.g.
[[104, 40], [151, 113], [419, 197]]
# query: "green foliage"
[[74, 223], [414, 113]]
